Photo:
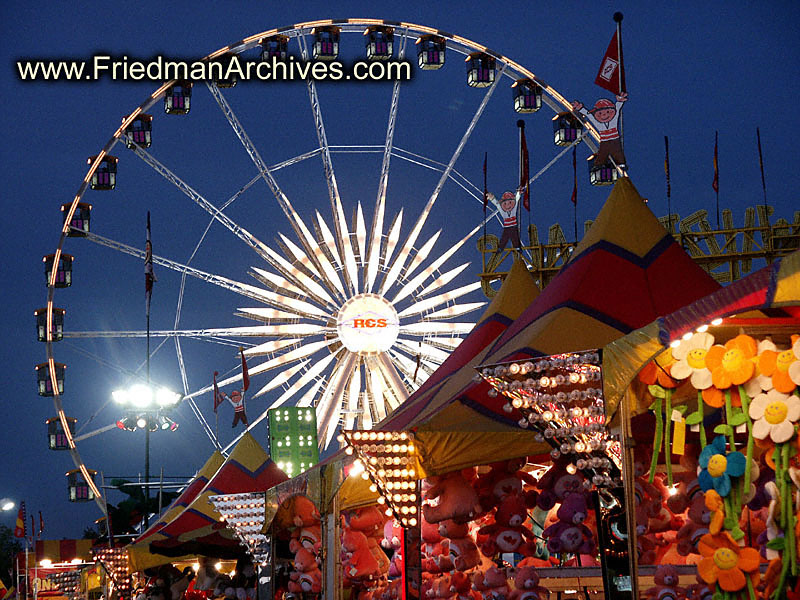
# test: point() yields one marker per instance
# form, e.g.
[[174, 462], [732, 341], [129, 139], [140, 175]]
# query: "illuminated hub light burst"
[[359, 321], [561, 398]]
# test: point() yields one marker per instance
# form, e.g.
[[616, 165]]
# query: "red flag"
[[611, 75], [218, 399], [41, 524], [715, 183], [574, 179], [19, 528], [524, 183], [245, 374]]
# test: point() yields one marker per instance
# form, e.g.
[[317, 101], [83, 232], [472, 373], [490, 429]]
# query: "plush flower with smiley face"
[[774, 415], [717, 467], [690, 356], [732, 364]]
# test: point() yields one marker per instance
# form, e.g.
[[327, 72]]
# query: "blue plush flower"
[[717, 467]]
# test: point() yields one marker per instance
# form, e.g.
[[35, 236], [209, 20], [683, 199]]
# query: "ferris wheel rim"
[[463, 45]]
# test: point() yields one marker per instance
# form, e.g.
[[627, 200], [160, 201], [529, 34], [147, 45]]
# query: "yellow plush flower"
[[732, 364]]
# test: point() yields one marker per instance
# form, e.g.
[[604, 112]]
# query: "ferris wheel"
[[352, 305]]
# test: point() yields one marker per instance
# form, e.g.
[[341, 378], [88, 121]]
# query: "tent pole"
[[333, 568], [630, 497]]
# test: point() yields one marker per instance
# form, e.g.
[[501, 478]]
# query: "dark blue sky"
[[691, 70]]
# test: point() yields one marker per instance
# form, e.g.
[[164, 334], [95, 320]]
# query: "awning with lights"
[[198, 529], [64, 551], [625, 272], [139, 554], [773, 292]]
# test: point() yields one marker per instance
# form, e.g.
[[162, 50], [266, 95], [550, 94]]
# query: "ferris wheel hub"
[[367, 324]]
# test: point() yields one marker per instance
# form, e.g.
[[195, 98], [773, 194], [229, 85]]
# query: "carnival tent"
[[769, 298], [197, 530], [626, 272], [139, 556]]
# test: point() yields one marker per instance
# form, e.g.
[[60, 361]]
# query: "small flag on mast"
[[41, 524], [20, 530], [245, 373], [218, 398], [149, 276], [611, 75], [574, 179], [715, 183], [524, 183]]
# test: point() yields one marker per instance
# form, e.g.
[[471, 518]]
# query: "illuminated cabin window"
[[430, 52], [79, 224], [63, 270], [44, 381], [178, 98], [480, 69], [566, 129], [604, 174], [56, 436], [527, 96], [105, 176], [139, 131], [326, 43], [276, 47], [57, 326], [79, 490], [379, 42], [226, 82]]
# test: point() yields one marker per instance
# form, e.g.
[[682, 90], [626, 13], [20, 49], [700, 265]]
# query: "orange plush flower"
[[725, 563], [776, 365], [732, 364], [716, 397], [658, 371], [715, 504]]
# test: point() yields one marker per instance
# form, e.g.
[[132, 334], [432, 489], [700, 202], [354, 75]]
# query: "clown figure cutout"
[[508, 207], [605, 118], [237, 401]]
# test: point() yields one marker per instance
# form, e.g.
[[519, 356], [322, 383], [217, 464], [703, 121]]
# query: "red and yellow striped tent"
[[626, 272], [197, 530], [139, 556]]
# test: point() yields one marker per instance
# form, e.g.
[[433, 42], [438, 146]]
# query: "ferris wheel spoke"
[[281, 378], [420, 278], [330, 404], [373, 257], [392, 378], [455, 310], [423, 305], [374, 385], [406, 249], [277, 283], [299, 276], [316, 290], [308, 398], [239, 231], [91, 434], [443, 280], [269, 347], [414, 371], [329, 241], [393, 237], [429, 163], [448, 344], [343, 238], [297, 329], [424, 350], [294, 219], [353, 409], [192, 404], [310, 375], [302, 352], [361, 234], [435, 328], [553, 161], [422, 254]]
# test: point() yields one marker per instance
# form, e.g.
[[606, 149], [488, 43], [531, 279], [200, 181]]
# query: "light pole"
[[144, 406]]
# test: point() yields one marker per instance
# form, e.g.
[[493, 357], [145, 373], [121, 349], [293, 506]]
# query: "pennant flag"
[[218, 399], [666, 165], [574, 179], [485, 189], [3, 590], [715, 183], [19, 528], [149, 276], [33, 528], [524, 183], [611, 75], [41, 524], [245, 374], [761, 164]]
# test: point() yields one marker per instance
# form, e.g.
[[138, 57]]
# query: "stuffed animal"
[[504, 478], [307, 525], [457, 499], [526, 585], [461, 586], [391, 542], [491, 583], [508, 532], [569, 534], [440, 589], [433, 547], [370, 522], [306, 577], [463, 550], [666, 579], [696, 525], [244, 581], [357, 559]]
